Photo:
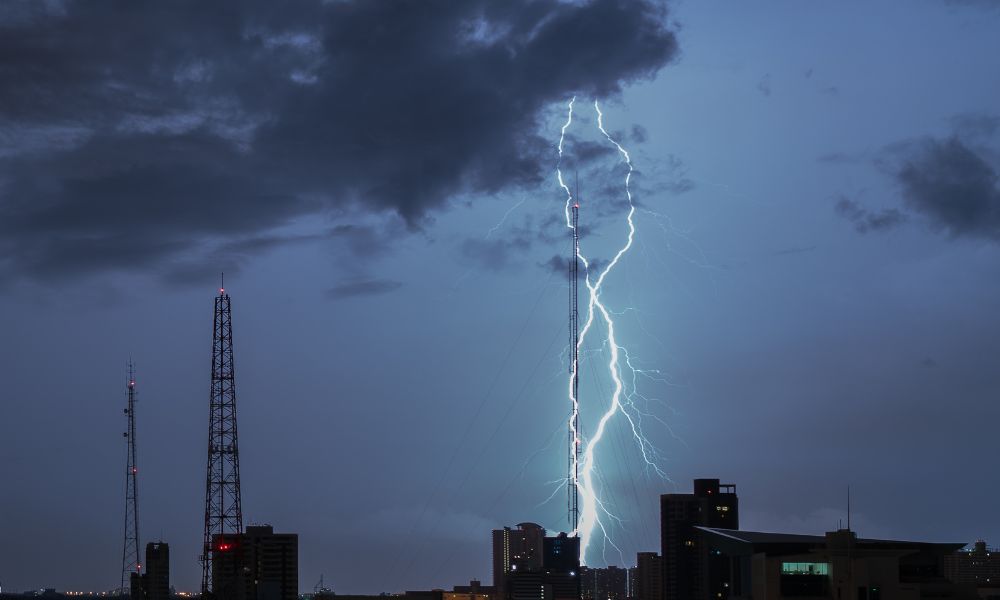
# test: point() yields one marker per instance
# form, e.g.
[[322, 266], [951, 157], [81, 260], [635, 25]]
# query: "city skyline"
[[809, 301]]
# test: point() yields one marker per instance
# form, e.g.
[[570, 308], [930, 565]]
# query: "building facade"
[[836, 566], [978, 565], [527, 565], [691, 568], [154, 584], [648, 581], [609, 583], [256, 565], [516, 549]]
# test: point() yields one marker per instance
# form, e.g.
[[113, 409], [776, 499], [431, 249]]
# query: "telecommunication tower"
[[574, 369], [223, 512], [130, 550]]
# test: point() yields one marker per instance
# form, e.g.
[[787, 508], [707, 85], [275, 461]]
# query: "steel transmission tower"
[[223, 513], [574, 369], [130, 550]]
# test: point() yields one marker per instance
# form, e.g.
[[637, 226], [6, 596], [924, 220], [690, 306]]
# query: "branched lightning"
[[623, 396], [503, 219]]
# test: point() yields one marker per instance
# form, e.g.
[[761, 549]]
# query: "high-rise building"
[[648, 581], [609, 583], [154, 584], [691, 569], [527, 565], [256, 565], [515, 549]]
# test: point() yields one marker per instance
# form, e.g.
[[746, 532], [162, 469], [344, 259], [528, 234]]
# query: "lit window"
[[805, 568]]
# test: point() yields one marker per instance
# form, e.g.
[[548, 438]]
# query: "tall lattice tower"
[[574, 369], [223, 513], [130, 550]]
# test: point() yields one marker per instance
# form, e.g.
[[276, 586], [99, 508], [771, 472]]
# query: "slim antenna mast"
[[574, 369], [848, 507], [130, 550]]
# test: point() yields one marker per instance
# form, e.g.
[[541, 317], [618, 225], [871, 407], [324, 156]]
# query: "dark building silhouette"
[[691, 571], [648, 581], [515, 549], [527, 565], [838, 565], [256, 565], [610, 583], [979, 566], [154, 584], [474, 591]]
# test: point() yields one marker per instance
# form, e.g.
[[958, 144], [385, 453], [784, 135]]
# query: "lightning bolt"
[[593, 509], [503, 219]]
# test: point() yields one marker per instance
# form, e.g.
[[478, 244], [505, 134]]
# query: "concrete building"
[[648, 581], [691, 570], [154, 584], [838, 566], [519, 548], [256, 565], [527, 565], [515, 549], [610, 583], [474, 591], [979, 566]]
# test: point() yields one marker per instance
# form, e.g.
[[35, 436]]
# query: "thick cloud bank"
[[142, 135]]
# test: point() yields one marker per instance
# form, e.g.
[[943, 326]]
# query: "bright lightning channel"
[[592, 507]]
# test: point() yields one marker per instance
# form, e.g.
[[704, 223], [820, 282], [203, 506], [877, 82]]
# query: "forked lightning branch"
[[589, 512]]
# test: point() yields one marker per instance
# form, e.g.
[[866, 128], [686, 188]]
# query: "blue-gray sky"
[[812, 292]]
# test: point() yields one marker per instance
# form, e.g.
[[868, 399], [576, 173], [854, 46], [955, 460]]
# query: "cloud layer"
[[140, 136]]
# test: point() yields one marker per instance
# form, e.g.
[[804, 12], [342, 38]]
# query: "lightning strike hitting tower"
[[574, 369], [223, 512], [130, 550]]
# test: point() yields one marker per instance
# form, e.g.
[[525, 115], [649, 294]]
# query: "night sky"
[[812, 298]]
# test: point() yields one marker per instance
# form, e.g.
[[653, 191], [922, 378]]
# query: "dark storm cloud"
[[975, 125], [134, 132], [589, 151], [639, 134], [951, 185], [229, 257], [865, 220], [364, 241], [500, 251], [556, 264], [368, 287]]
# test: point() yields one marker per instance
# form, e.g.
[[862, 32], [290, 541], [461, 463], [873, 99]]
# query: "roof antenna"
[[222, 282], [848, 507], [576, 193]]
